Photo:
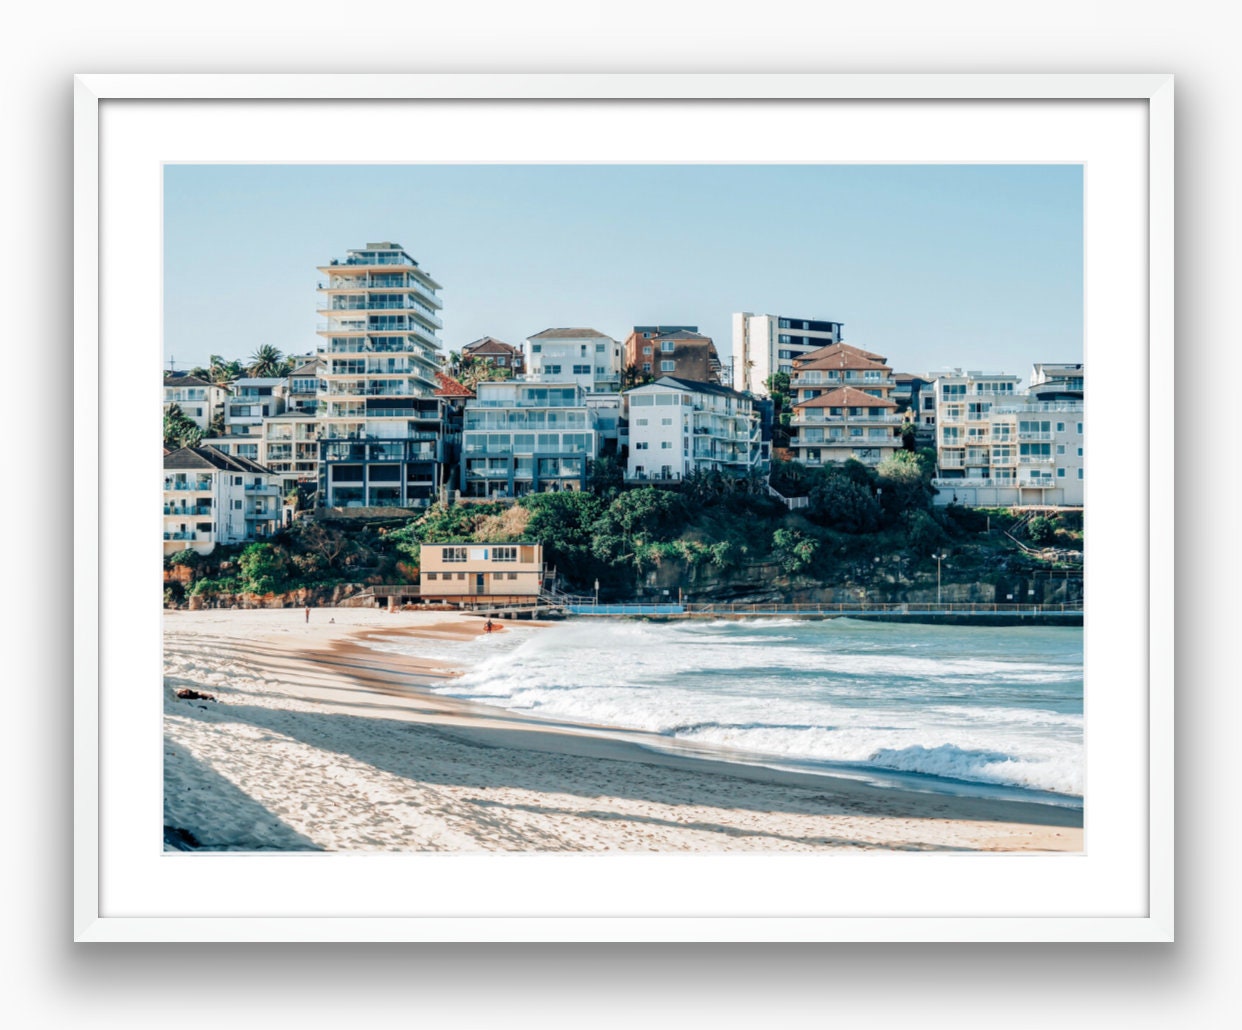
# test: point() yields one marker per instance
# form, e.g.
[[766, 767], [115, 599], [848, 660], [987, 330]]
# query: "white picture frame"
[[106, 845]]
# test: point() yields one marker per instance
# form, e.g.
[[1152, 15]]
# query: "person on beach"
[[488, 627], [308, 613]]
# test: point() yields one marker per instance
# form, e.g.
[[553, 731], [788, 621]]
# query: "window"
[[460, 575], [511, 575], [665, 445], [641, 445], [646, 350], [504, 554], [1060, 427], [599, 348], [666, 421], [554, 370], [432, 575], [1080, 429], [454, 554], [1080, 473], [783, 338], [1080, 452], [642, 422], [536, 348], [646, 366], [1060, 473], [237, 505], [1060, 448], [667, 346], [582, 370], [668, 366]]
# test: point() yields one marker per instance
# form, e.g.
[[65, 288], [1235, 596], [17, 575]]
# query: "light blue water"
[[987, 710]]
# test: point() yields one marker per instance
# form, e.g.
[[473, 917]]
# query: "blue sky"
[[973, 266]]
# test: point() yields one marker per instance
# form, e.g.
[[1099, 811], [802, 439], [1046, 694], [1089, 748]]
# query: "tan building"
[[843, 407], [469, 573], [672, 350]]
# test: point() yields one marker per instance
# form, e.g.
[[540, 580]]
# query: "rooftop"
[[694, 385], [569, 334], [846, 397]]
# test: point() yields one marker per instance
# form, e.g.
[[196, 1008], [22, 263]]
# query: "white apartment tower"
[[766, 344], [381, 441]]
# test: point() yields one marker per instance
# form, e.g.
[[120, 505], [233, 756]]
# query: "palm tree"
[[179, 429], [222, 372], [266, 361]]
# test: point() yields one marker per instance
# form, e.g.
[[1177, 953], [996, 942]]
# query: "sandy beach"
[[315, 741]]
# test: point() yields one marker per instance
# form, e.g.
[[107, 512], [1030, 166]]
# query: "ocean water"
[[994, 711]]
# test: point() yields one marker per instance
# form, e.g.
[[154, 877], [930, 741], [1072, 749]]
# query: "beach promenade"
[[317, 741]]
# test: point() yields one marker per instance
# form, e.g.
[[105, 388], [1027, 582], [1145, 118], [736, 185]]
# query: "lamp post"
[[597, 593], [939, 558]]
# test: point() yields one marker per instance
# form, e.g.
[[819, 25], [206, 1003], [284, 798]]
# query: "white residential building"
[[250, 401], [524, 436], [583, 356], [290, 448], [381, 441], [766, 344], [996, 446], [213, 498], [198, 399], [679, 426]]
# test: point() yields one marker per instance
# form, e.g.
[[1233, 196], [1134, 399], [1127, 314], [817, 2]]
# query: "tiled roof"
[[490, 345], [839, 355], [210, 458], [311, 368], [183, 379], [845, 397], [683, 334], [696, 385], [450, 387], [568, 334]]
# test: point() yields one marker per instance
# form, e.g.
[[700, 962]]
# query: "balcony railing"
[[1037, 437], [201, 510], [181, 536], [801, 419], [262, 488], [1031, 459], [202, 485]]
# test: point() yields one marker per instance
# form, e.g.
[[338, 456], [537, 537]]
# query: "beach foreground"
[[317, 742]]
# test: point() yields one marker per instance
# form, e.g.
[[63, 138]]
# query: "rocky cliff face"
[[895, 579]]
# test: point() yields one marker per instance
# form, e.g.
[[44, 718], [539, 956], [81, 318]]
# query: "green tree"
[[793, 550], [1041, 530], [221, 372], [844, 504], [264, 568], [179, 429], [265, 362], [330, 544], [606, 476]]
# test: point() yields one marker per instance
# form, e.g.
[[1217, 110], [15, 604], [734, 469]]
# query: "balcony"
[[203, 485], [198, 510], [1030, 459], [262, 488], [183, 536], [1035, 437]]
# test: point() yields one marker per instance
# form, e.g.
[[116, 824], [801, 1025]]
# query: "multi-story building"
[[583, 356], [250, 401], [198, 399], [211, 497], [496, 352], [470, 573], [964, 402], [673, 350], [1058, 381], [303, 388], [380, 438], [523, 436], [248, 447], [766, 344], [290, 448], [678, 426], [1000, 447], [843, 406]]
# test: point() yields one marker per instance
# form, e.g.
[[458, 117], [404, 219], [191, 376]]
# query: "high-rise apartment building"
[[380, 418], [766, 344]]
